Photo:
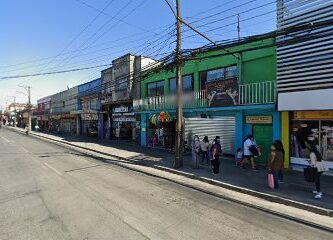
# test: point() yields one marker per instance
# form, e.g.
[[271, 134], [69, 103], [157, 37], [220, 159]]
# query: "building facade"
[[89, 108], [64, 115], [305, 78], [229, 91], [121, 84], [43, 113]]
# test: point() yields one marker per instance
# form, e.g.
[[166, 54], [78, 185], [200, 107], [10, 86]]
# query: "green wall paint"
[[257, 65]]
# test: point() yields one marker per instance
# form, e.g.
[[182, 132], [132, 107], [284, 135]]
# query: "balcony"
[[190, 100], [248, 94]]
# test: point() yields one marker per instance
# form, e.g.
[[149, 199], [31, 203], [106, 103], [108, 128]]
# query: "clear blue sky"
[[44, 35]]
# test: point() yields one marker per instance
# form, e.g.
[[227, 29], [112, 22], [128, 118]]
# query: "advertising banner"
[[222, 92]]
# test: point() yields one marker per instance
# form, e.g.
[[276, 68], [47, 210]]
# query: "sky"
[[39, 36]]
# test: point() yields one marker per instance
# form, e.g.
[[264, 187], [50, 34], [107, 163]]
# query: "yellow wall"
[[285, 137]]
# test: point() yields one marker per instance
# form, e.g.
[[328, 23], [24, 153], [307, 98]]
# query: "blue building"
[[89, 109]]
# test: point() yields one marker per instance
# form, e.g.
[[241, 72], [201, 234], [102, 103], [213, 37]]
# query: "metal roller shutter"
[[211, 127]]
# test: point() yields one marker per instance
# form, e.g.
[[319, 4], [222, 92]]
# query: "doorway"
[[263, 134]]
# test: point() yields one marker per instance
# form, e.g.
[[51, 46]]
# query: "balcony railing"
[[248, 94], [190, 100], [257, 93]]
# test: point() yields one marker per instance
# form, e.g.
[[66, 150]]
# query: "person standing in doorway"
[[249, 145], [320, 167], [204, 150], [196, 148], [216, 153]]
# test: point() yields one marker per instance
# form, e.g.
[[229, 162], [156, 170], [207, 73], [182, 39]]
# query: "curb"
[[265, 196]]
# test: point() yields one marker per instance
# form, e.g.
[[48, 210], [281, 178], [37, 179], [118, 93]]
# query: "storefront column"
[[100, 126], [285, 137], [239, 130], [276, 126], [143, 130], [78, 125]]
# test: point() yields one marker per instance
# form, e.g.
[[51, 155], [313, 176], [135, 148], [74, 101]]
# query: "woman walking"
[[319, 166], [279, 147], [196, 152], [204, 150], [275, 161], [216, 153]]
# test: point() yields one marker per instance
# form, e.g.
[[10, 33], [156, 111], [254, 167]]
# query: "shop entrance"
[[263, 134]]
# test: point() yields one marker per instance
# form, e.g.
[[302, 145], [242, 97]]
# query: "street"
[[50, 192]]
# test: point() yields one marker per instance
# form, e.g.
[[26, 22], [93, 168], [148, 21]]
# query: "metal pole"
[[14, 111], [29, 109], [179, 110]]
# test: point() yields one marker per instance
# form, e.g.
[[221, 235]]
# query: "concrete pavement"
[[50, 192], [294, 191]]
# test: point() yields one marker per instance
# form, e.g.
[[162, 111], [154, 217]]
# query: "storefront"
[[161, 131], [124, 122], [311, 127], [89, 124]]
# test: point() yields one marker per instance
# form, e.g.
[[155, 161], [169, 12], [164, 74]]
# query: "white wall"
[[306, 100]]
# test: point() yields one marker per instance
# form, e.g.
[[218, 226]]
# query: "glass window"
[[187, 84], [155, 89], [215, 75], [121, 84], [231, 72]]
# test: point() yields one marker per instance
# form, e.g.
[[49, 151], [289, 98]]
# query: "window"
[[187, 84], [217, 75], [155, 89], [121, 83]]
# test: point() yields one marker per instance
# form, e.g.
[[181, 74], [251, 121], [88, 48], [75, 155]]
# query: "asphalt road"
[[50, 192]]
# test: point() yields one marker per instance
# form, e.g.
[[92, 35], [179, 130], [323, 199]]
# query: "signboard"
[[313, 115], [123, 118], [89, 116], [222, 92], [259, 119], [121, 109]]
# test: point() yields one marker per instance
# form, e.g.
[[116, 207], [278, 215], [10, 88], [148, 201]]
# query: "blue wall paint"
[[276, 126], [144, 129], [239, 131]]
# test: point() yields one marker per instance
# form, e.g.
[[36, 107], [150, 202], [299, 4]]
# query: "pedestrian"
[[317, 163], [274, 162], [216, 153], [238, 157], [204, 150], [196, 151], [280, 147], [249, 147]]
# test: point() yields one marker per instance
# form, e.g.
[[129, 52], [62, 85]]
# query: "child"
[[238, 157]]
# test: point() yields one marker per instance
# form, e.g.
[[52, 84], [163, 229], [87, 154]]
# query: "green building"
[[229, 91]]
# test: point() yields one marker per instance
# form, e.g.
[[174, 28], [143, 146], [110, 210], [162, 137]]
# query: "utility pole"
[[179, 61], [179, 111], [28, 89], [238, 27]]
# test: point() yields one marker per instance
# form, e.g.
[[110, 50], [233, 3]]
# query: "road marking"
[[53, 169], [25, 150], [5, 139]]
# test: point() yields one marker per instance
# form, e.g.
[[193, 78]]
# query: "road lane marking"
[[5, 139], [53, 169], [25, 150]]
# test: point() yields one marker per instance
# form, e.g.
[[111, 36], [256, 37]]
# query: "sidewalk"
[[293, 188]]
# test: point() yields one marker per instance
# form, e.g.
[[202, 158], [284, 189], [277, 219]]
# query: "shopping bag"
[[309, 173], [271, 180]]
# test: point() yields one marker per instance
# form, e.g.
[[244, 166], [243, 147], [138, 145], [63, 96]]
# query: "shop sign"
[[313, 115], [123, 118], [259, 119], [89, 116], [121, 109]]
